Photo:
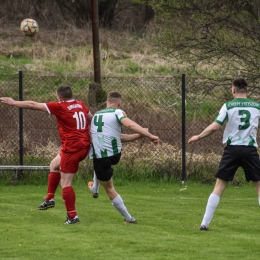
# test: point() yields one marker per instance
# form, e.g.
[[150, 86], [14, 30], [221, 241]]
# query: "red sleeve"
[[53, 107]]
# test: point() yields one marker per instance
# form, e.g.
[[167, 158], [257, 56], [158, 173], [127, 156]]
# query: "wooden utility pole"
[[95, 36]]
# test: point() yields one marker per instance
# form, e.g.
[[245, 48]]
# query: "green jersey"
[[242, 116], [105, 130]]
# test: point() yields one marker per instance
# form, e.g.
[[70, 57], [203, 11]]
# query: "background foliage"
[[216, 40]]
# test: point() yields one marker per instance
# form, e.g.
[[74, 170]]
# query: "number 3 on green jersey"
[[245, 120]]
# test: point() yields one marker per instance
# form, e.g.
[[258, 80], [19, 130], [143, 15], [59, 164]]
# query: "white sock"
[[210, 209], [259, 201], [118, 203], [96, 184]]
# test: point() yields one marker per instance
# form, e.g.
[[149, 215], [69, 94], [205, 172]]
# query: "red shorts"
[[69, 162]]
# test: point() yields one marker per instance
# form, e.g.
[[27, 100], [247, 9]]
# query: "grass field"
[[168, 218]]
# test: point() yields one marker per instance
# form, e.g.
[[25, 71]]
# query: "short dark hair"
[[240, 84], [64, 92], [114, 96]]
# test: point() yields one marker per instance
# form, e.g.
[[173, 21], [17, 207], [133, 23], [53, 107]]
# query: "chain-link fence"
[[154, 103]]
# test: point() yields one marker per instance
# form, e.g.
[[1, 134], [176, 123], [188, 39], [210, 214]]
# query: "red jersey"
[[72, 123]]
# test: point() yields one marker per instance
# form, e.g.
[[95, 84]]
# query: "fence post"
[[95, 36], [183, 129], [93, 89], [20, 172]]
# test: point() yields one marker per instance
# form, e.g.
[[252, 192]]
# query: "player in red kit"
[[73, 119]]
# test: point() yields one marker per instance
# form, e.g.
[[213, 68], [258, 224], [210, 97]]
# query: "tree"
[[215, 39], [107, 12]]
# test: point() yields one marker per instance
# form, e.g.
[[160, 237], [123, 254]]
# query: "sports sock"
[[69, 199], [118, 203], [96, 184], [53, 183], [210, 209], [259, 201]]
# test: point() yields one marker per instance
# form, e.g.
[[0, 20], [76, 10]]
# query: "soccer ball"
[[29, 27]]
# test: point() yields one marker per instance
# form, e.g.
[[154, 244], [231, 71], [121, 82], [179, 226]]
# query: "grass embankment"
[[168, 219], [69, 51]]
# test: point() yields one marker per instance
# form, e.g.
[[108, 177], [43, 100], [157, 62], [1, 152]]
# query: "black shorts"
[[102, 166], [235, 156]]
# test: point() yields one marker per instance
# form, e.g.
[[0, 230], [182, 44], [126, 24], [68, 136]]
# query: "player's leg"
[[53, 183], [69, 165], [109, 188], [69, 197], [117, 200], [96, 184], [93, 186], [251, 166], [54, 177], [257, 188], [104, 174], [213, 202], [228, 165]]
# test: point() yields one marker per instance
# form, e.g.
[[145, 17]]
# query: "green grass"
[[10, 64], [168, 218]]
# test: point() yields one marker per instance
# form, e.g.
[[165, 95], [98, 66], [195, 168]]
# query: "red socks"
[[69, 199], [53, 183], [68, 193]]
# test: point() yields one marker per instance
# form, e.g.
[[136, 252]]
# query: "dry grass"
[[141, 151], [140, 161], [10, 148], [166, 159], [70, 51]]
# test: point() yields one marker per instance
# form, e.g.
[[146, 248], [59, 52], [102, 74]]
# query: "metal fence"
[[155, 103]]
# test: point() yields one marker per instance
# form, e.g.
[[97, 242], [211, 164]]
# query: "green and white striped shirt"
[[105, 132], [242, 116]]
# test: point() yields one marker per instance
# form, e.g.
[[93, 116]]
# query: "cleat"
[[46, 204], [203, 228], [131, 221], [94, 195], [72, 220]]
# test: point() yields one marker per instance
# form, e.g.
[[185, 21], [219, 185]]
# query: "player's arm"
[[212, 128], [138, 129], [130, 137], [24, 104]]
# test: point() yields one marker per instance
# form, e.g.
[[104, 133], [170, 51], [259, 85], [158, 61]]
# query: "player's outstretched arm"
[[24, 104], [140, 130], [130, 137], [193, 139], [212, 128]]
